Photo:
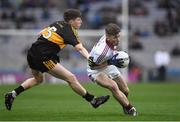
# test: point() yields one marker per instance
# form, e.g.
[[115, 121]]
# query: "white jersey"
[[101, 51]]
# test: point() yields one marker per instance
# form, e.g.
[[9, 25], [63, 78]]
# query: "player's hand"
[[115, 61], [90, 62], [120, 63]]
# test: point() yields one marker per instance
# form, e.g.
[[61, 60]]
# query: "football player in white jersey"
[[103, 70]]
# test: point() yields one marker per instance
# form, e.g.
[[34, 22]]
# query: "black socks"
[[19, 90], [88, 97], [128, 107]]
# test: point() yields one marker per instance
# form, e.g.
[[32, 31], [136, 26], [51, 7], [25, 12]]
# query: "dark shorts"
[[42, 63], [42, 55]]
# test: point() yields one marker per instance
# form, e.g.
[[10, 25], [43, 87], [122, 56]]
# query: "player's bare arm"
[[79, 47]]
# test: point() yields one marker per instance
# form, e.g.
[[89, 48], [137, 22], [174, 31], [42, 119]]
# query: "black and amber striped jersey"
[[61, 34], [54, 38]]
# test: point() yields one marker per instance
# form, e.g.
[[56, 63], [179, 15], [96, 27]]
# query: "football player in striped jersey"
[[103, 64]]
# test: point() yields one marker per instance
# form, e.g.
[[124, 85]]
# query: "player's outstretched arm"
[[79, 47]]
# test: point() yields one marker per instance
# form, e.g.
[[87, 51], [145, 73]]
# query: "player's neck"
[[110, 44]]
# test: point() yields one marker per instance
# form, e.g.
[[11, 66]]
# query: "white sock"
[[14, 94]]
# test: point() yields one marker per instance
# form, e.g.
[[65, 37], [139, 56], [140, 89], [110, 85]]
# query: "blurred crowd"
[[171, 23], [20, 14], [34, 14]]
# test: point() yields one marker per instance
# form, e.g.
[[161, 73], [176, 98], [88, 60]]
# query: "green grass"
[[157, 102]]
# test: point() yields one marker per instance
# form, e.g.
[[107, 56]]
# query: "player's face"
[[114, 39], [76, 23]]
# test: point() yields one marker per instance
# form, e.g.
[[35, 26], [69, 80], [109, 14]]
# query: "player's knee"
[[113, 87], [71, 78], [126, 91], [39, 79]]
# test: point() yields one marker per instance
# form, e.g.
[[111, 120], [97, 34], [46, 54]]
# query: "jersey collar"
[[110, 45]]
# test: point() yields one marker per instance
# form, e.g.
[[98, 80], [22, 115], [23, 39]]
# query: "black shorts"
[[42, 63]]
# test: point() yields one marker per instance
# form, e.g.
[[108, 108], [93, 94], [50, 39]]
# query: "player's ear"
[[108, 36], [70, 21]]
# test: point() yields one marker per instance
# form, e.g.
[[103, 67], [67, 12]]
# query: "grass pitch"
[[157, 102]]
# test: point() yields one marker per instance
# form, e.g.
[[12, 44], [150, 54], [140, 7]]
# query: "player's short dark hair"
[[112, 29], [71, 14]]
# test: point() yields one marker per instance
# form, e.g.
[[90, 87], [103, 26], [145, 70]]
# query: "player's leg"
[[103, 80], [114, 74], [62, 73], [10, 96], [123, 87], [35, 80], [122, 84]]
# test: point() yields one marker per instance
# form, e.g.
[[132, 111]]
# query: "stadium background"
[[153, 25]]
